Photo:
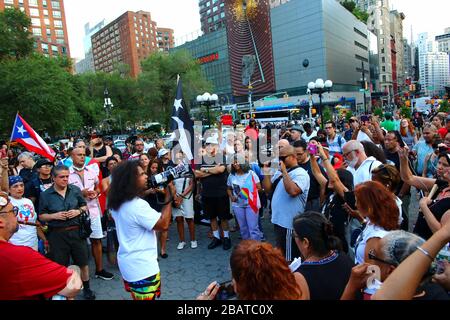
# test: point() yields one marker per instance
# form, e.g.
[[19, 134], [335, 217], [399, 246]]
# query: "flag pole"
[[12, 131]]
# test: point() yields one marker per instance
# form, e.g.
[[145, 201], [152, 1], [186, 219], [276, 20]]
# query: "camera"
[[163, 178], [226, 291]]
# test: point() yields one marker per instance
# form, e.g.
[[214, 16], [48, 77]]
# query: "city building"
[[165, 39], [304, 42], [48, 24], [408, 60], [87, 64], [127, 40], [399, 83], [444, 41], [212, 15], [436, 73]]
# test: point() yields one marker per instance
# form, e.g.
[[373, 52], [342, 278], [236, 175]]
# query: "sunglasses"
[[372, 256]]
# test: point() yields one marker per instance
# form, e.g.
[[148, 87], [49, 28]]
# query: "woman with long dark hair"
[[322, 257], [136, 225]]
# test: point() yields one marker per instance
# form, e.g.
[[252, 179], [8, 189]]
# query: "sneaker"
[[226, 243], [214, 243], [105, 275], [194, 244], [181, 245], [88, 294]]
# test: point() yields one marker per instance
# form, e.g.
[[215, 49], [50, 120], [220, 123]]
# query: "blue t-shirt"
[[422, 149], [285, 207]]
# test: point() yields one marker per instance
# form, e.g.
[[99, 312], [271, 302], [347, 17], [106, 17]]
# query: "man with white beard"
[[359, 164]]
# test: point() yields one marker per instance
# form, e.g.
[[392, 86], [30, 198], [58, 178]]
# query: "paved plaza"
[[186, 273]]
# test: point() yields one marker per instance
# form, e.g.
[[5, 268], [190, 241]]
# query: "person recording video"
[[136, 225]]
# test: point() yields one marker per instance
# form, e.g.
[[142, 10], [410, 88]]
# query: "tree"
[[348, 115], [378, 112], [349, 5], [158, 80], [15, 38], [444, 106], [41, 91]]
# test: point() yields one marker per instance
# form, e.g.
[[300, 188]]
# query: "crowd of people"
[[338, 195]]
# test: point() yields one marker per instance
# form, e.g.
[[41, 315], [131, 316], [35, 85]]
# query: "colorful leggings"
[[147, 289]]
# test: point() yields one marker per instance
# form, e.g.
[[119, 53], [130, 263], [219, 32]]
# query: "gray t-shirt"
[[285, 207]]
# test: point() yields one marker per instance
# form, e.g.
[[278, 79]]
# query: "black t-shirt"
[[314, 187], [214, 186], [34, 188], [28, 175], [438, 209], [98, 154], [328, 277], [338, 216], [433, 291]]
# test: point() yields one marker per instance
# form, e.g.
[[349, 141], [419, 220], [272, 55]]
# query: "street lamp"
[[250, 88], [208, 100], [319, 87], [107, 105]]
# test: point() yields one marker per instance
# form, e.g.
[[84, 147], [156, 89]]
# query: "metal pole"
[[250, 99], [321, 114], [364, 85], [209, 121]]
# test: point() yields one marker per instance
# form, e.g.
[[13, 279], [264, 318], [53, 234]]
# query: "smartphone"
[[399, 139], [226, 291], [440, 266], [312, 149]]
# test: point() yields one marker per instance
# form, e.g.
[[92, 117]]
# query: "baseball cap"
[[41, 162], [211, 140], [296, 128], [162, 152]]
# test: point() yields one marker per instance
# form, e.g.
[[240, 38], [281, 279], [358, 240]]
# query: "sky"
[[183, 16]]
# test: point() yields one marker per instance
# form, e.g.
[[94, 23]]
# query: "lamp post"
[[208, 100], [108, 105], [320, 87], [250, 92]]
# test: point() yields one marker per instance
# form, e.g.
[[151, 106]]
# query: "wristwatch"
[[207, 170]]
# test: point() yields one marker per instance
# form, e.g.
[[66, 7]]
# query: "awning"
[[282, 106]]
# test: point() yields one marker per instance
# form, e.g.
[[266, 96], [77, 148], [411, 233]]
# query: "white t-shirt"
[[137, 255], [362, 136], [369, 232], [236, 182], [307, 138], [364, 171], [26, 235]]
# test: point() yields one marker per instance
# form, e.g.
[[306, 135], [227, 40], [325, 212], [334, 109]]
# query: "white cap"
[[211, 140], [162, 152]]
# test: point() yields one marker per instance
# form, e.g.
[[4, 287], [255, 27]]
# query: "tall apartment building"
[[212, 15], [87, 64], [128, 39], [48, 24], [165, 39], [444, 41], [436, 73], [408, 59], [396, 19]]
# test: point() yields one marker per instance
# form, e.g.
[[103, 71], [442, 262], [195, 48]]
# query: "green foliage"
[[158, 82], [378, 112], [348, 115], [405, 112], [327, 114], [15, 40], [41, 91], [444, 106], [351, 6]]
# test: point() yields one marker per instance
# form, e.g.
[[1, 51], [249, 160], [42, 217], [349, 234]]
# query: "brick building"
[[48, 24], [127, 40], [165, 39]]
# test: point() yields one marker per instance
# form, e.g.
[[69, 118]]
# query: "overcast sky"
[[183, 16]]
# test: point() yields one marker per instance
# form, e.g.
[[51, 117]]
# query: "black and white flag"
[[181, 124]]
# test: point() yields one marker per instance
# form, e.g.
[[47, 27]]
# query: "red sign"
[[227, 120], [209, 58]]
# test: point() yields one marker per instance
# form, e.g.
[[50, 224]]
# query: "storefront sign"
[[209, 58]]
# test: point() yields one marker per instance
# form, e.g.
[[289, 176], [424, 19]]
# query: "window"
[[34, 12], [33, 3], [56, 14], [215, 9], [59, 33], [216, 18], [58, 23], [55, 5], [383, 69], [54, 49], [37, 31], [222, 14], [44, 47], [47, 22], [36, 22], [44, 3], [46, 13], [9, 1]]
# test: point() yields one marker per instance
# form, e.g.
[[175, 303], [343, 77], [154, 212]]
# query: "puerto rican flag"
[[250, 192], [26, 136], [181, 124]]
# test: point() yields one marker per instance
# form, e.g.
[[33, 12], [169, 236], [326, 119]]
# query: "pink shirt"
[[89, 182]]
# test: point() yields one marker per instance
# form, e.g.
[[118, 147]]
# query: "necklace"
[[329, 258]]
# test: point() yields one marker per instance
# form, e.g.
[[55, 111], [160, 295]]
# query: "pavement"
[[187, 272]]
